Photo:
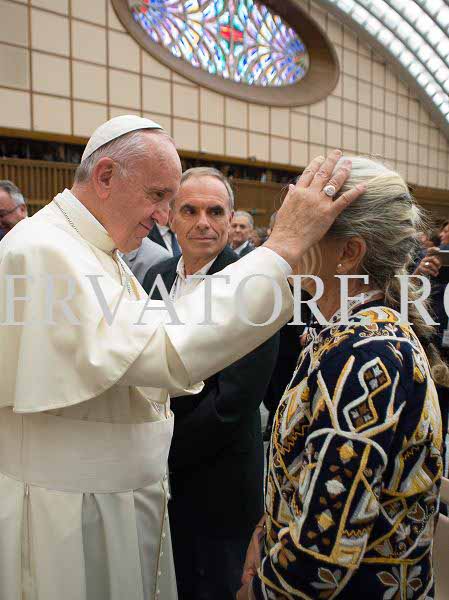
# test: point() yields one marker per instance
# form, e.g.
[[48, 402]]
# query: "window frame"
[[318, 83]]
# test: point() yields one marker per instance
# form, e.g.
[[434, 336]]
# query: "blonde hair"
[[388, 219]]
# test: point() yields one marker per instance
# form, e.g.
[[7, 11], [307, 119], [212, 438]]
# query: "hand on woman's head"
[[308, 211]]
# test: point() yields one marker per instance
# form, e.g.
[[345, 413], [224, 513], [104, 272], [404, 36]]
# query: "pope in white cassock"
[[85, 421]]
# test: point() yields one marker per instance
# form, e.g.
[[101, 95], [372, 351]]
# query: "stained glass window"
[[239, 40]]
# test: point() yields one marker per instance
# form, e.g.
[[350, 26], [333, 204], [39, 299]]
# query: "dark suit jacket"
[[289, 350], [216, 457], [155, 235], [249, 248]]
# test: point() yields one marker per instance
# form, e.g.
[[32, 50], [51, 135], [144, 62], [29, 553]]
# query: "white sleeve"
[[178, 356], [283, 264]]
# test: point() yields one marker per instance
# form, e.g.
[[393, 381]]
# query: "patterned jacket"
[[355, 467]]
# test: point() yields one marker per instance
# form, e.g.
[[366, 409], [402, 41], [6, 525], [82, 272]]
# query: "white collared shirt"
[[241, 247], [166, 236], [183, 284]]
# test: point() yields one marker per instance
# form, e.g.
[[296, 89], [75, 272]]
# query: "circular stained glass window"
[[240, 40], [267, 52]]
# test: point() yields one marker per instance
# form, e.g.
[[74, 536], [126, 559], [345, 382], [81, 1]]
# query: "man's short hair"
[[209, 172], [13, 191], [243, 213]]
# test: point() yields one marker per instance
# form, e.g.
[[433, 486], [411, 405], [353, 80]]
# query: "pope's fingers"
[[309, 172], [324, 173], [341, 175]]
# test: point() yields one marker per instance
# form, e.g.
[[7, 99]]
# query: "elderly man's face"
[[201, 218], [241, 230], [10, 213], [142, 198]]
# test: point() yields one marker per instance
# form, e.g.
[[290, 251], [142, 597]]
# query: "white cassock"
[[85, 423]]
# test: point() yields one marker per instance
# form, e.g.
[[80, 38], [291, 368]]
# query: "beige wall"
[[68, 65]]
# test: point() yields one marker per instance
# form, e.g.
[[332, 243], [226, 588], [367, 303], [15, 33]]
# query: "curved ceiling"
[[411, 34]]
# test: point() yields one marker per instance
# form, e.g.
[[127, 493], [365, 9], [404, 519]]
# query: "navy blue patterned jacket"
[[354, 468]]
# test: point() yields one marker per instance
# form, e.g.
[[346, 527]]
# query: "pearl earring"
[[339, 267]]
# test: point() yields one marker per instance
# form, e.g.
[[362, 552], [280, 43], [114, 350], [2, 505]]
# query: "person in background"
[[444, 236], [271, 224], [426, 261], [258, 236], [352, 489], [165, 237], [241, 227], [13, 207], [290, 340], [429, 265], [429, 239], [216, 456], [146, 256]]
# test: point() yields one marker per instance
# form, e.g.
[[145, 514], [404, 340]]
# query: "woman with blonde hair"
[[352, 490]]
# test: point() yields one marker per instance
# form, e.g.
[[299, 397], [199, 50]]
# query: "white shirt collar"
[[86, 212], [163, 229], [181, 272], [241, 247], [83, 221]]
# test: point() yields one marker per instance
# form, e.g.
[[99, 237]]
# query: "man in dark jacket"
[[242, 226], [216, 457], [164, 236]]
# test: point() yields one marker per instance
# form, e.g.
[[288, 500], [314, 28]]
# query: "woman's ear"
[[353, 252]]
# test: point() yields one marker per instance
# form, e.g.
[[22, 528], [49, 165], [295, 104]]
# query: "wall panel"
[[71, 54]]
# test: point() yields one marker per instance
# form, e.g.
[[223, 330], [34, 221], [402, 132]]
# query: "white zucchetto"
[[115, 128]]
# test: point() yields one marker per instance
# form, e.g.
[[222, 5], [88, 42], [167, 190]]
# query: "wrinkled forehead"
[[203, 191], [241, 221], [161, 147]]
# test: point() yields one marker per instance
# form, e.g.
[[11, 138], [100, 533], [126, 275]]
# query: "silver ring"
[[426, 264], [330, 190]]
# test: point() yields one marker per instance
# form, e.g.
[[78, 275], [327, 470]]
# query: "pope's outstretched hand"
[[307, 211]]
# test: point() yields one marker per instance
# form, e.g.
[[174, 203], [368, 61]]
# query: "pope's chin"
[[136, 240], [139, 237], [132, 243]]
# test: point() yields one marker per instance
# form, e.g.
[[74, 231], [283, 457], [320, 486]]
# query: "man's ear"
[[102, 176], [353, 252]]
